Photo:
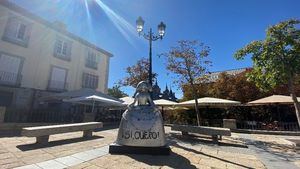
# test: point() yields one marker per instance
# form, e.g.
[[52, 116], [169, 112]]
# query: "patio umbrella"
[[85, 92], [210, 101], [274, 99], [127, 100], [164, 103], [91, 100]]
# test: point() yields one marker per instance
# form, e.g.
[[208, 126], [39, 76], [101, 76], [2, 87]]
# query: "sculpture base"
[[120, 149]]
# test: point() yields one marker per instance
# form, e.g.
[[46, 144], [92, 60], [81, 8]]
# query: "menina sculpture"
[[141, 125]]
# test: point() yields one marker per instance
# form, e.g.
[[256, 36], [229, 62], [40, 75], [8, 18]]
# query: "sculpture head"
[[143, 87]]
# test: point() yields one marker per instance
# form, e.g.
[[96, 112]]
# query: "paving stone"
[[69, 160], [97, 152], [84, 156], [6, 155], [104, 148], [80, 166], [51, 164], [12, 165], [32, 166]]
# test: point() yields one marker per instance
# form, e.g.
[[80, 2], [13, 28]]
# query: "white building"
[[213, 76], [38, 57]]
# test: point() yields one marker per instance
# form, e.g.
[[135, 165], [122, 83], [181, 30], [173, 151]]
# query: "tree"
[[115, 91], [188, 61], [236, 87], [276, 59], [136, 73]]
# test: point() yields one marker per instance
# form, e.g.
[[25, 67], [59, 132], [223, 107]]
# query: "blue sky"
[[225, 26]]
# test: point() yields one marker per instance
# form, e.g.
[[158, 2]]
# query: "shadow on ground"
[[208, 155], [281, 151], [28, 147], [10, 133], [174, 160], [196, 139]]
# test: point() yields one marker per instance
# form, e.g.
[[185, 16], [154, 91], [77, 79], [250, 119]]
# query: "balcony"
[[57, 86], [10, 79]]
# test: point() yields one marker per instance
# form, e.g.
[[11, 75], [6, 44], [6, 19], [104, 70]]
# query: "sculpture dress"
[[142, 124]]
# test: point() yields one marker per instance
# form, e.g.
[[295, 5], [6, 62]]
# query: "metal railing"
[[9, 78], [273, 126]]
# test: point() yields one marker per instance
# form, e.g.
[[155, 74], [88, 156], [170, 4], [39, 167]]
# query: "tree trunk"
[[294, 97], [196, 105]]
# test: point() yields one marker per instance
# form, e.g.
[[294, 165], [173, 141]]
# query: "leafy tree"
[[115, 91], [188, 61], [276, 59], [136, 73], [236, 88], [202, 90]]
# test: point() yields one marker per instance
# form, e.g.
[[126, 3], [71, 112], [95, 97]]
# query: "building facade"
[[214, 76], [38, 58]]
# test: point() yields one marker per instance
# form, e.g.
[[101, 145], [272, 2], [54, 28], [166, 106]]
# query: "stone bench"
[[42, 133], [212, 131]]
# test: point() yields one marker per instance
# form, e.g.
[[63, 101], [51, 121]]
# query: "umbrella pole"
[[162, 112], [93, 106], [278, 113]]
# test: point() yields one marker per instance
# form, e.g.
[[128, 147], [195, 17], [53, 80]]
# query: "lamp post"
[[150, 37]]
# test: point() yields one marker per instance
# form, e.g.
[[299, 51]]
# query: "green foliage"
[[136, 73], [116, 92], [276, 58]]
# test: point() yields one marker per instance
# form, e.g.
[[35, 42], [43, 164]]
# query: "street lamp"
[[150, 37]]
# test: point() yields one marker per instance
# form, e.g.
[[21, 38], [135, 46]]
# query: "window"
[[62, 49], [57, 79], [17, 31], [90, 60], [90, 81], [10, 67]]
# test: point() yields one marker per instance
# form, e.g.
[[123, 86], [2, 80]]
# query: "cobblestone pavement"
[[274, 151], [70, 150]]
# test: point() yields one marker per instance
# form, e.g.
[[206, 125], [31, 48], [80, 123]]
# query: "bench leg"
[[42, 139], [185, 133], [215, 139], [220, 137], [88, 133]]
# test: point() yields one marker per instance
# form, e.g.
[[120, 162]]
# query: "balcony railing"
[[54, 85], [9, 78]]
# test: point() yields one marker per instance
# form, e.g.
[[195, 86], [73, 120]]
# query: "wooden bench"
[[212, 131], [42, 133]]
